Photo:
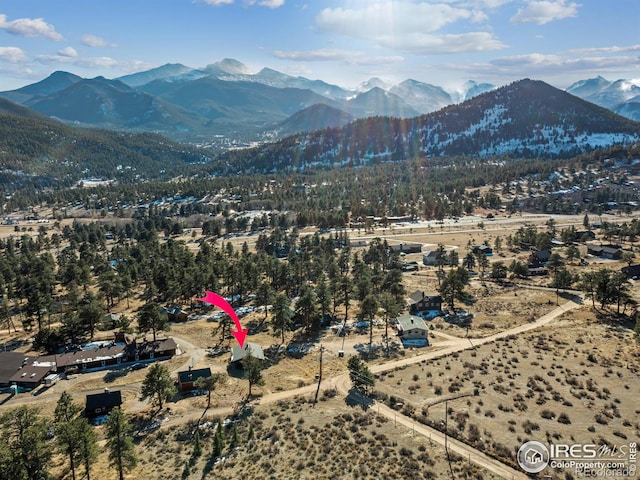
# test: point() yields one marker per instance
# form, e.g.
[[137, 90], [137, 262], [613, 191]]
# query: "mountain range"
[[620, 96], [223, 98], [226, 100], [525, 119]]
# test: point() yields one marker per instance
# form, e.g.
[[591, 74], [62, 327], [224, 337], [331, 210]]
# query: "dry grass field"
[[294, 440], [574, 380]]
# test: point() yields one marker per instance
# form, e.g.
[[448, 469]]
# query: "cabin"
[[100, 404], [187, 379], [84, 360], [238, 354], [406, 248], [174, 313], [484, 249], [539, 258], [412, 327], [419, 302], [160, 349], [611, 252], [410, 267], [632, 272], [429, 259], [584, 236]]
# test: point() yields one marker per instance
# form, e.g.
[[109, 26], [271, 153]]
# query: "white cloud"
[[612, 49], [431, 44], [536, 65], [68, 52], [215, 3], [389, 18], [94, 41], [545, 11], [29, 27], [98, 62], [271, 3], [12, 55], [344, 56], [248, 3], [409, 26]]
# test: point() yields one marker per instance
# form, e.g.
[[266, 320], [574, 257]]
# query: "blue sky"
[[344, 42]]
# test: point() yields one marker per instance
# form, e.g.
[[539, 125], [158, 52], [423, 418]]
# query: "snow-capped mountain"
[[524, 119], [191, 103], [612, 95]]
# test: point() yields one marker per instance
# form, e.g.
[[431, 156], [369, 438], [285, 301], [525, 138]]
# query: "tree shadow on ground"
[[358, 398], [112, 375]]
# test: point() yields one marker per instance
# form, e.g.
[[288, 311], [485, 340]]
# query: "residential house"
[[411, 327], [429, 258], [187, 379], [419, 302], [238, 354], [486, 249], [632, 272], [539, 258], [611, 252], [410, 267], [163, 348], [584, 236], [100, 404], [406, 248], [174, 313]]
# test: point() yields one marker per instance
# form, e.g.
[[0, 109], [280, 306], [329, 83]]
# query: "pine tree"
[[122, 454]]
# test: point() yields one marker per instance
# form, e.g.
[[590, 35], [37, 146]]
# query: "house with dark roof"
[[632, 272], [10, 363], [23, 371], [539, 258], [611, 252], [485, 249], [406, 248], [162, 348], [419, 302], [102, 403], [187, 378]]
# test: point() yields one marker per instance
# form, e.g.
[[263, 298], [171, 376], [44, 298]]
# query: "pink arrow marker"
[[215, 299]]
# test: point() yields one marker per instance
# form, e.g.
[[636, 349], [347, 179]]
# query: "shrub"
[[564, 419]]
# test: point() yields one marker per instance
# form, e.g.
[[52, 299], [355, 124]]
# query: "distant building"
[[102, 403], [485, 249], [406, 248], [611, 252], [410, 267], [584, 236], [539, 258], [411, 327], [632, 272], [429, 258]]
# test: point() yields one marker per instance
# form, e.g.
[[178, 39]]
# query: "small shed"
[[102, 403], [187, 379]]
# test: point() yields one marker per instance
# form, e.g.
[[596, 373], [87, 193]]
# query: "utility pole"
[[315, 400]]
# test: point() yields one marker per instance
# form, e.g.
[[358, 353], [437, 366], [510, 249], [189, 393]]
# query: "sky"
[[343, 42]]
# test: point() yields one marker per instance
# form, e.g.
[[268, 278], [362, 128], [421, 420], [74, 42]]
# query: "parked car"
[[139, 366]]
